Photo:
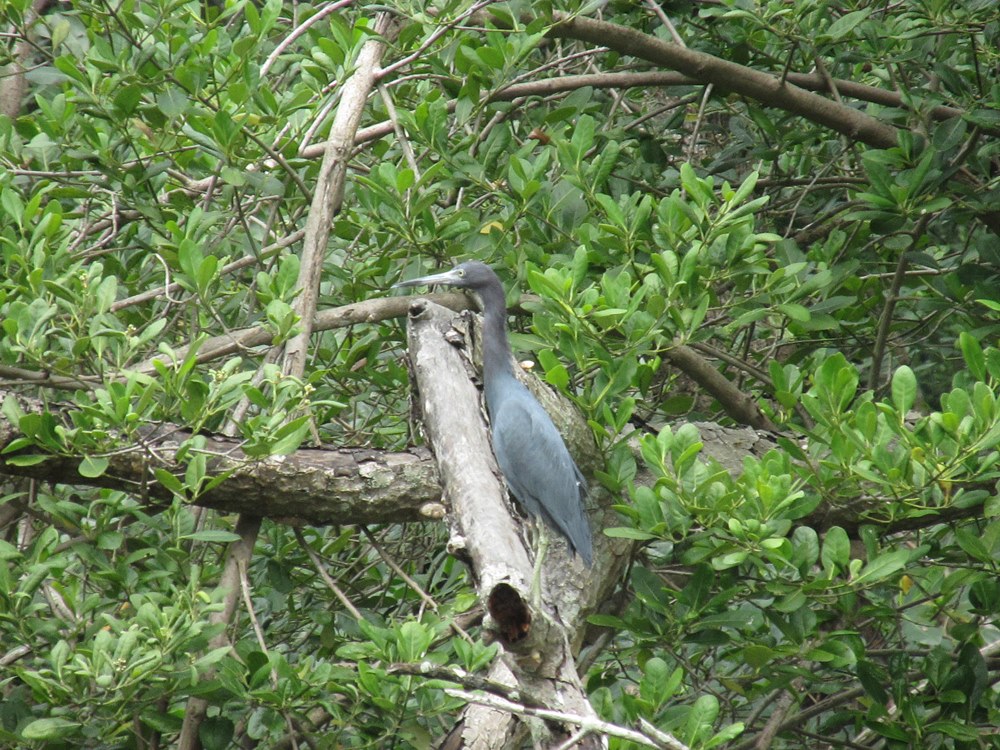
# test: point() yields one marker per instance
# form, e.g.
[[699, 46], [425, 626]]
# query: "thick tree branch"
[[243, 339], [735, 402], [347, 486], [645, 79], [368, 311], [310, 486], [666, 78], [540, 646], [766, 88], [739, 79]]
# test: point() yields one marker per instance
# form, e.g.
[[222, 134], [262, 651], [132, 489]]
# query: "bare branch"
[[736, 403], [728, 76], [540, 644], [590, 724], [329, 192]]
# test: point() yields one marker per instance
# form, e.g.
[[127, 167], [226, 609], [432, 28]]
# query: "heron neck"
[[496, 346]]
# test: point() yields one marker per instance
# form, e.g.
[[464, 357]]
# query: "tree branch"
[[317, 486], [588, 724], [329, 193], [739, 79], [735, 402], [540, 645]]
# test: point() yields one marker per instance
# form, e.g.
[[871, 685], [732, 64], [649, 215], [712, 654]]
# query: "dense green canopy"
[[219, 522]]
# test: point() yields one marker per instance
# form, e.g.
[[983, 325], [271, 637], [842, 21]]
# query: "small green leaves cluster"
[[764, 545]]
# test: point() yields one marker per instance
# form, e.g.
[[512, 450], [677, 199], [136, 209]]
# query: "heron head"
[[469, 275]]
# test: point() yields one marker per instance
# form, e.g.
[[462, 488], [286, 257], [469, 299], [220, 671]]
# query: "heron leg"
[[542, 546]]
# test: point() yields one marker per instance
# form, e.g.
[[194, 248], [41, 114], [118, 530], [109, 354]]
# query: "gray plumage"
[[530, 452]]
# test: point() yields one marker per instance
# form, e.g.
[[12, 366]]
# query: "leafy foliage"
[[156, 180]]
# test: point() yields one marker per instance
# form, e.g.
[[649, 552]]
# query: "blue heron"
[[530, 452]]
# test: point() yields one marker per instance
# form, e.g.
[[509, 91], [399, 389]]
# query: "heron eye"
[[461, 272]]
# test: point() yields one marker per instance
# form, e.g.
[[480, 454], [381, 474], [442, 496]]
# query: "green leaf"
[[189, 257], [883, 566], [729, 560], [758, 656], [701, 718], [492, 57], [659, 682], [289, 437], [233, 176], [727, 733], [49, 729], [110, 540], [795, 312], [972, 545], [904, 390], [26, 459], [12, 204], [169, 481], [972, 352], [836, 552], [625, 532], [172, 102], [93, 466], [216, 732], [212, 535], [846, 24], [608, 621], [583, 135], [413, 640], [805, 547], [206, 274], [556, 373]]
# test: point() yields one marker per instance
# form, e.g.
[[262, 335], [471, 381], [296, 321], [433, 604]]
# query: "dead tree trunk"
[[540, 646]]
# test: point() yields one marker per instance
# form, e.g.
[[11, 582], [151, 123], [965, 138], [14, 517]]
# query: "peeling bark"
[[316, 486], [540, 645]]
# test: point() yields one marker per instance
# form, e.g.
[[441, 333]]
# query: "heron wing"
[[538, 468]]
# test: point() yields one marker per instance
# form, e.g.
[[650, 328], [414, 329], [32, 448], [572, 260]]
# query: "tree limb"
[[764, 87], [317, 486], [735, 402], [540, 646], [739, 79], [329, 193], [326, 201]]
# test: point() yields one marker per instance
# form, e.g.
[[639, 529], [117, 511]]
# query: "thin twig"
[[766, 737], [330, 583], [298, 31], [693, 142], [591, 725], [467, 680], [891, 298], [404, 142], [248, 603], [435, 35], [398, 570], [661, 14], [236, 265]]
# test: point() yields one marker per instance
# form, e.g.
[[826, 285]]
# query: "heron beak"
[[448, 277]]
